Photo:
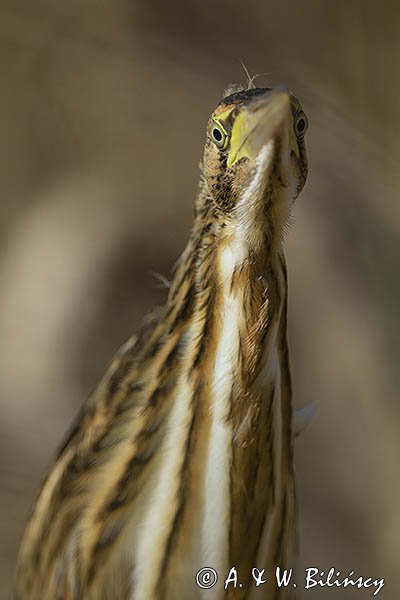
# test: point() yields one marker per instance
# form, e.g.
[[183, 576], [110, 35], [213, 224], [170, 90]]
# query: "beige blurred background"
[[103, 105]]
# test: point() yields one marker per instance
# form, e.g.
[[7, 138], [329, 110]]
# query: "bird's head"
[[255, 149]]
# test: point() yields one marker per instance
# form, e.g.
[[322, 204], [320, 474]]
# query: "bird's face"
[[255, 138]]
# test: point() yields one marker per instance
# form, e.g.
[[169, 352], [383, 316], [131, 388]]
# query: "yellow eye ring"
[[301, 124], [218, 135]]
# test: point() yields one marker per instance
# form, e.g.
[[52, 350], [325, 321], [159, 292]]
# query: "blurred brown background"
[[103, 106]]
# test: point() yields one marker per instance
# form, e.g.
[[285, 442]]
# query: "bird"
[[179, 466]]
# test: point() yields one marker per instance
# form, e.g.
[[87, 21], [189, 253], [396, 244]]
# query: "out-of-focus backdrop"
[[103, 106]]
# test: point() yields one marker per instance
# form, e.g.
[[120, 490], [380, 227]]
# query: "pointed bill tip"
[[257, 123]]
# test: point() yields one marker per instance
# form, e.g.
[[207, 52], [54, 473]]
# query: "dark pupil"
[[217, 135], [301, 125]]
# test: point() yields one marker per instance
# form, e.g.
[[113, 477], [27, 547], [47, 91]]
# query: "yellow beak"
[[257, 123]]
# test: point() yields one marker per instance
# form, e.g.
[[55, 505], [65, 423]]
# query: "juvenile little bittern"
[[183, 456]]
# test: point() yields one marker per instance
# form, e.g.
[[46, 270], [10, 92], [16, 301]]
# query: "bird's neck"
[[230, 245], [223, 266]]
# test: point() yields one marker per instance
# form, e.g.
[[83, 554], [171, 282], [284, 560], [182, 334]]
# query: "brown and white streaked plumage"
[[183, 456]]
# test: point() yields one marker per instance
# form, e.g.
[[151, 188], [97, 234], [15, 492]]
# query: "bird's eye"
[[218, 135], [301, 124]]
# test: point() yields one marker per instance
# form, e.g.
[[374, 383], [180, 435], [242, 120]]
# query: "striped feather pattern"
[[183, 456]]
